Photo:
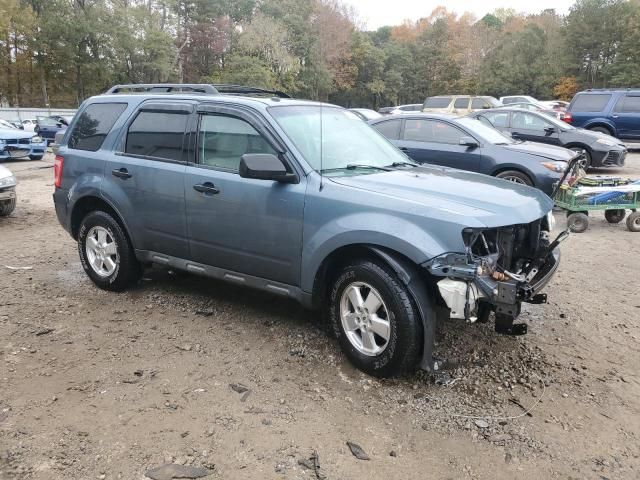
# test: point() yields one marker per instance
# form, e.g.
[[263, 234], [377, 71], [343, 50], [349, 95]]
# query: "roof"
[[405, 116], [203, 98]]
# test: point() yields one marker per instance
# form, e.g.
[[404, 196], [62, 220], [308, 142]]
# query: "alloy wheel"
[[102, 251], [365, 318]]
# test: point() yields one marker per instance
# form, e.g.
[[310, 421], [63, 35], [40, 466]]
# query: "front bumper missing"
[[465, 286]]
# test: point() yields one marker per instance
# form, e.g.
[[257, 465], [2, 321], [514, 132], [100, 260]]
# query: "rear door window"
[[628, 104], [390, 129], [157, 135], [437, 102], [461, 102], [478, 103], [93, 125], [590, 102]]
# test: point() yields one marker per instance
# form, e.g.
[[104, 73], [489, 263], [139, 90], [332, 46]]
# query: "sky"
[[377, 13]]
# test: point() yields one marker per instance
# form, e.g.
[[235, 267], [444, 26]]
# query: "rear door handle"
[[121, 173], [206, 188], [615, 116]]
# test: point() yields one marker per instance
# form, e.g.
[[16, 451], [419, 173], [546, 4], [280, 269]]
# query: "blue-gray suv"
[[303, 200]]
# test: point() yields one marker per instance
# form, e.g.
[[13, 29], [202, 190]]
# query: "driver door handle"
[[207, 188], [404, 149], [121, 173]]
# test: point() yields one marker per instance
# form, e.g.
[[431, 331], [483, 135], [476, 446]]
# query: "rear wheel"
[[633, 222], [615, 216], [600, 129], [106, 253], [375, 319], [578, 222], [7, 207], [36, 157]]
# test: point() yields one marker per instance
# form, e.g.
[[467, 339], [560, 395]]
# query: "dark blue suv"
[[302, 200], [614, 112]]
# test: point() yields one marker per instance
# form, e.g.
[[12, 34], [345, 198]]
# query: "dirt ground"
[[103, 385]]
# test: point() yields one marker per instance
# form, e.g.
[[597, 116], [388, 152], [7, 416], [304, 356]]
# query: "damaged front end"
[[500, 268]]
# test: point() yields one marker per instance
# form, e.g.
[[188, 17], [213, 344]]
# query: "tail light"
[[57, 171], [567, 117]]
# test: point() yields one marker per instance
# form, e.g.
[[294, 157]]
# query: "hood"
[[593, 136], [550, 152], [5, 172], [6, 133], [482, 199]]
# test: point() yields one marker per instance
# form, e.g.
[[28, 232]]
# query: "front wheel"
[[7, 207], [106, 253], [587, 155], [633, 222], [516, 177], [375, 319], [578, 222], [36, 157]]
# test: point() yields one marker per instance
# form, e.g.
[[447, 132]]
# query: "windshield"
[[343, 144], [485, 132]]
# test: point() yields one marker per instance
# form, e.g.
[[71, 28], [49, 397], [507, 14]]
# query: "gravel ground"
[[103, 385]]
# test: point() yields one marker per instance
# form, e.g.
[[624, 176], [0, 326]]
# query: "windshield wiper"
[[353, 166], [402, 164]]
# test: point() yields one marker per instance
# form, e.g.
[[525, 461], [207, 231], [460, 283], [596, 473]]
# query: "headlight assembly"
[[37, 139], [9, 181], [604, 141], [555, 166]]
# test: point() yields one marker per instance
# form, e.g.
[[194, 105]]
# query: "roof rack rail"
[[613, 89], [243, 90], [163, 88]]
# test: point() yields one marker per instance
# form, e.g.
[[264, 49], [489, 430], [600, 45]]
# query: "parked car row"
[[466, 144]]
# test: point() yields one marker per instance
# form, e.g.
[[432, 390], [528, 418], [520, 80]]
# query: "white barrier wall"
[[7, 113]]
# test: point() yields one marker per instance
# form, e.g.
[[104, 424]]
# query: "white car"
[[29, 124], [400, 109], [518, 99], [7, 191]]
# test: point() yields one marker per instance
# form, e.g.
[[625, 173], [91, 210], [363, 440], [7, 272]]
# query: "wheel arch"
[[603, 124], [518, 168], [91, 203], [409, 274]]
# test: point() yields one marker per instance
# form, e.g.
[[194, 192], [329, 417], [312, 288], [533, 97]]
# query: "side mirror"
[[486, 107], [265, 166], [59, 125], [468, 142], [550, 130]]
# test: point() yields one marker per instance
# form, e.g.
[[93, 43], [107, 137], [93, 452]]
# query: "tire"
[[400, 351], [578, 222], [111, 263], [633, 222], [36, 157], [516, 176], [587, 155], [615, 216], [599, 129], [7, 207]]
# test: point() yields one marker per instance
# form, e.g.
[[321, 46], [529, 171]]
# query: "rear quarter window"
[[628, 104], [437, 102], [93, 125], [589, 102]]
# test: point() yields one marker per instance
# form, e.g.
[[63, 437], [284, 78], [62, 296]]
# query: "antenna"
[[321, 142]]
